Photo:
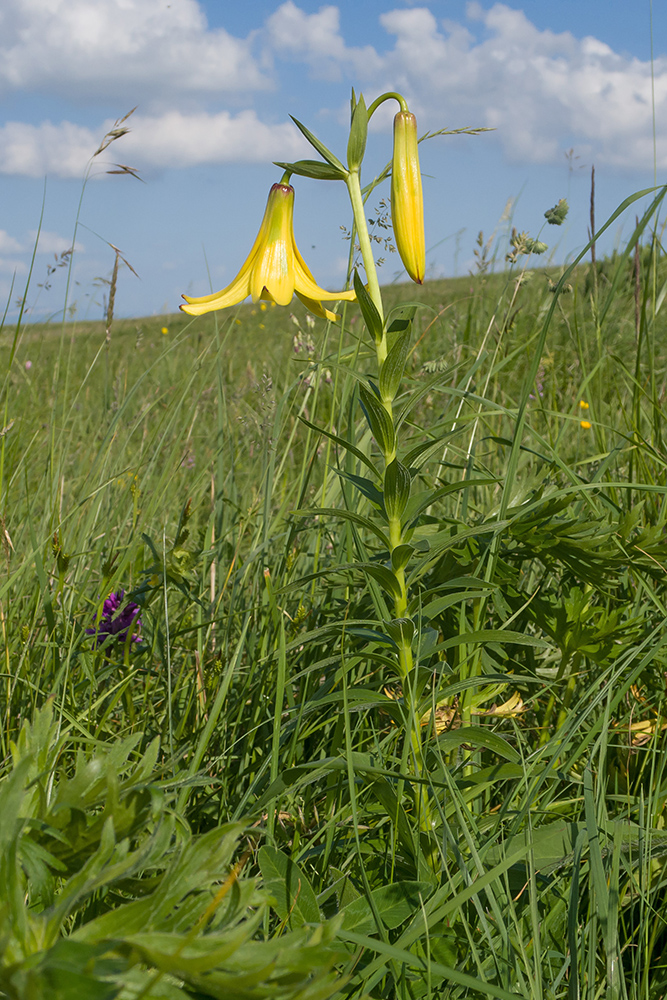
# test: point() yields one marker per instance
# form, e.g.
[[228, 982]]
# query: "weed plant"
[[286, 788]]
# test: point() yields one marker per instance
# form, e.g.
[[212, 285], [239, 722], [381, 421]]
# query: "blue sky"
[[564, 85]]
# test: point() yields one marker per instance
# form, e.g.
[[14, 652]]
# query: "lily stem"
[[356, 197]]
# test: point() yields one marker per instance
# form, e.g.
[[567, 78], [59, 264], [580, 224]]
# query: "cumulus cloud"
[[543, 91], [90, 49], [8, 244], [316, 39], [172, 139], [53, 243]]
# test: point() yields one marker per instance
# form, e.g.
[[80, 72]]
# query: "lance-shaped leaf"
[[379, 420], [401, 630], [392, 370], [346, 515], [356, 145], [320, 147], [368, 308], [396, 489], [312, 168], [384, 577], [400, 556], [365, 486], [347, 445]]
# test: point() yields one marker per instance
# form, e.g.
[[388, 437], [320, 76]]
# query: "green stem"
[[405, 658], [391, 95], [361, 225]]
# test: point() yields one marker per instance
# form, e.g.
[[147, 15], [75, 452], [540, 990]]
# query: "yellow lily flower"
[[274, 269], [407, 203]]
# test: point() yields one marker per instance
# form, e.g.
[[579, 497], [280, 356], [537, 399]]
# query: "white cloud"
[[316, 39], [181, 140], [36, 150], [91, 49], [8, 244], [13, 267], [53, 243], [172, 139], [543, 92]]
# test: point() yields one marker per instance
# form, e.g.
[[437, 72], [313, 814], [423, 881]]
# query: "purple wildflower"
[[116, 623]]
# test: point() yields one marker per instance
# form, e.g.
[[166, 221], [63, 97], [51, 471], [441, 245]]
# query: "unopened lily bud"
[[407, 204]]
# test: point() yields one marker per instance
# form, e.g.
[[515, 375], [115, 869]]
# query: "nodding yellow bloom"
[[407, 203], [274, 269], [586, 424], [583, 405]]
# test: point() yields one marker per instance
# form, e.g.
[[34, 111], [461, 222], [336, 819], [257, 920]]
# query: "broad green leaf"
[[395, 903], [343, 887], [285, 880]]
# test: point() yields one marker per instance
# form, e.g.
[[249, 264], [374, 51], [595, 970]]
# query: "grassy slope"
[[169, 465]]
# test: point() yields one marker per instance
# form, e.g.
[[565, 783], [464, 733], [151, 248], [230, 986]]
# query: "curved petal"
[[237, 291], [240, 287], [305, 284], [318, 309]]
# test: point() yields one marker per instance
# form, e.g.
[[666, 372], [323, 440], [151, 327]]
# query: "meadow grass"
[[260, 721]]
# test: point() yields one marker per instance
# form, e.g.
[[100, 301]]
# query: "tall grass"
[[260, 721]]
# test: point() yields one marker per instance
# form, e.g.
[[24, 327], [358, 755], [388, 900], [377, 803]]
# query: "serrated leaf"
[[285, 880], [312, 168], [356, 145], [320, 147], [397, 483], [372, 317], [392, 370], [379, 421]]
